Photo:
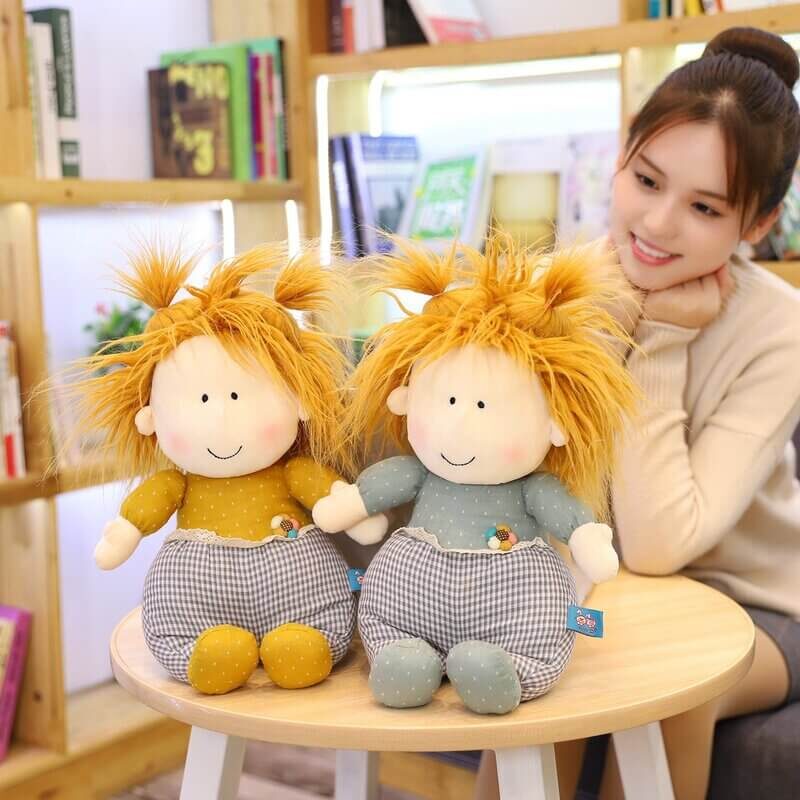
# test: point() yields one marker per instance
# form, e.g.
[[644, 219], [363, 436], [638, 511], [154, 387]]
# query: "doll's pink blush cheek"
[[177, 444], [269, 433], [513, 454], [417, 432]]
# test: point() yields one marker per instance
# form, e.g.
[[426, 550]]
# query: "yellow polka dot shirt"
[[241, 507]]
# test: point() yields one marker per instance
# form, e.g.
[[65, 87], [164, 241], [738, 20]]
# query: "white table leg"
[[356, 775], [213, 766], [527, 772], [643, 763]]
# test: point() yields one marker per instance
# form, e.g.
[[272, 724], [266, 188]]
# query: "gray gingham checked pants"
[[517, 599], [199, 580]]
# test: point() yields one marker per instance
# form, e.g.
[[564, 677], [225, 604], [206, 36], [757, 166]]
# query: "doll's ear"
[[557, 437], [397, 401], [145, 423]]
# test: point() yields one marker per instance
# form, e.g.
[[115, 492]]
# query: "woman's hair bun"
[[760, 45]]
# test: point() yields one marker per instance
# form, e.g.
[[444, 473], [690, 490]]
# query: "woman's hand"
[[693, 304]]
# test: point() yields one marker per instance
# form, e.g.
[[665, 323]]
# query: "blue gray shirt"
[[460, 513]]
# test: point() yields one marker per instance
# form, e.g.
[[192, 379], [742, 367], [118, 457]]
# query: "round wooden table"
[[670, 644]]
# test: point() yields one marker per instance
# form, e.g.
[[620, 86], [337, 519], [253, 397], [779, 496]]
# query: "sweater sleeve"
[[154, 501], [309, 481], [391, 482], [553, 507], [674, 501]]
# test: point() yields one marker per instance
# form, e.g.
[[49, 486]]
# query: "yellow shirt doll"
[[243, 407]]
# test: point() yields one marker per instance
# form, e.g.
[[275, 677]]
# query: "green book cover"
[[60, 22], [237, 58], [443, 199], [273, 46]]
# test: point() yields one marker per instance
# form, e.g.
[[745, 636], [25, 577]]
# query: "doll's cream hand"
[[342, 509], [591, 547], [120, 539], [370, 531]]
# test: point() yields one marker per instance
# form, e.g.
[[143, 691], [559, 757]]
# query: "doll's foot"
[[484, 676], [405, 674], [296, 656], [223, 658]]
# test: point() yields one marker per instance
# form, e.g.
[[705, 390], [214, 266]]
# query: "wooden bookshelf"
[[69, 479], [77, 192], [114, 742], [642, 33], [102, 741]]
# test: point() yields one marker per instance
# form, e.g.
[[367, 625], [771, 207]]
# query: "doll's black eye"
[[481, 404], [204, 398], [234, 396], [452, 401]]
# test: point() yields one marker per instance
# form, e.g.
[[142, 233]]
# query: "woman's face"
[[670, 219]]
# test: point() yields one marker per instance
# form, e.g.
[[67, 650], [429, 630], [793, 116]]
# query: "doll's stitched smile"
[[225, 458], [455, 463]]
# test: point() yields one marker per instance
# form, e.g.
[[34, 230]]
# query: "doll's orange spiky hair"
[[548, 312], [251, 325]]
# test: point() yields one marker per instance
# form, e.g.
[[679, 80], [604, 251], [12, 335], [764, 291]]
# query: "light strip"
[[374, 105], [292, 227], [500, 72], [323, 172], [689, 52], [228, 229]]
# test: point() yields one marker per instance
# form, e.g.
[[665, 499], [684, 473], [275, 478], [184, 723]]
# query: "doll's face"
[[476, 416], [214, 418]]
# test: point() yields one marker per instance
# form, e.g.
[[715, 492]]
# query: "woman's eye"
[[706, 210], [204, 398], [452, 401], [646, 181]]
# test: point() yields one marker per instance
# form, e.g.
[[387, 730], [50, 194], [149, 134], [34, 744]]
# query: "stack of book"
[[51, 82], [12, 451], [220, 112], [662, 9], [373, 177], [357, 26]]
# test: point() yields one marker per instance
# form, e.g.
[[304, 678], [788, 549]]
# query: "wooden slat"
[[114, 742], [16, 121], [591, 41], [78, 192], [29, 579], [68, 479]]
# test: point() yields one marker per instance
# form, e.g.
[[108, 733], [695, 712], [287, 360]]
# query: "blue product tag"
[[588, 621], [355, 577]]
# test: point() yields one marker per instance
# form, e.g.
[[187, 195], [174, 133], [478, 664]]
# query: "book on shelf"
[[554, 183], [189, 120], [59, 22], [344, 207], [382, 170], [44, 99], [11, 435], [15, 624], [450, 20], [784, 237], [450, 200], [244, 132]]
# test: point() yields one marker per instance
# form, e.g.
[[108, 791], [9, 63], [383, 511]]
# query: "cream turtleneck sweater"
[[706, 482]]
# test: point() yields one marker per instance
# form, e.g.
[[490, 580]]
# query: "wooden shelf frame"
[[78, 192], [591, 41]]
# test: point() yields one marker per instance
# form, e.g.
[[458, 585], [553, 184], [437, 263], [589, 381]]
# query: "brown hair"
[[743, 83]]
